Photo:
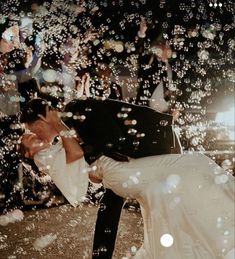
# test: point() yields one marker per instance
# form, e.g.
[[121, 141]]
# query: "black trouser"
[[106, 225]]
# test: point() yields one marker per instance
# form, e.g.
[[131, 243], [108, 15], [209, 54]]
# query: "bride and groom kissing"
[[125, 147]]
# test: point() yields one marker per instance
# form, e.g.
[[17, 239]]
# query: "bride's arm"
[[70, 141]]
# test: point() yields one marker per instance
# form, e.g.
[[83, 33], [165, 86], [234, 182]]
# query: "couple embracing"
[[132, 150]]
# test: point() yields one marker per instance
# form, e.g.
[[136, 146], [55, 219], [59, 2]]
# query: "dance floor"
[[64, 232]]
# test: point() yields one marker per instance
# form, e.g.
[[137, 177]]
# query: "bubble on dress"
[[173, 180], [166, 240], [134, 179], [219, 222], [220, 179]]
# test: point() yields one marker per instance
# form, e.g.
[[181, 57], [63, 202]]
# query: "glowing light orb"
[[167, 240]]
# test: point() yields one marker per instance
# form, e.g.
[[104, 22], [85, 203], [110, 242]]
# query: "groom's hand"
[[53, 117]]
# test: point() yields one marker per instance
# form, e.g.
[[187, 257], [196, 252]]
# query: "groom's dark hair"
[[32, 109]]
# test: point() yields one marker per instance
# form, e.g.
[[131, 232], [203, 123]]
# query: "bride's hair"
[[32, 109]]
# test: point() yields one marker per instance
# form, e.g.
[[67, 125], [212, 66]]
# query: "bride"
[[187, 200], [187, 204]]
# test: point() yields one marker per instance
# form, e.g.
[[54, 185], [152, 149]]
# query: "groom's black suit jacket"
[[114, 126], [108, 127]]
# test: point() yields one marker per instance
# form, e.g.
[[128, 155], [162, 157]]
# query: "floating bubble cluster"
[[200, 37]]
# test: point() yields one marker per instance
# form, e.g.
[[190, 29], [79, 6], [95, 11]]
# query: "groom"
[[116, 129]]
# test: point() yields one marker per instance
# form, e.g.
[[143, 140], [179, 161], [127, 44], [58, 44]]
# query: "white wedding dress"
[[186, 196]]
